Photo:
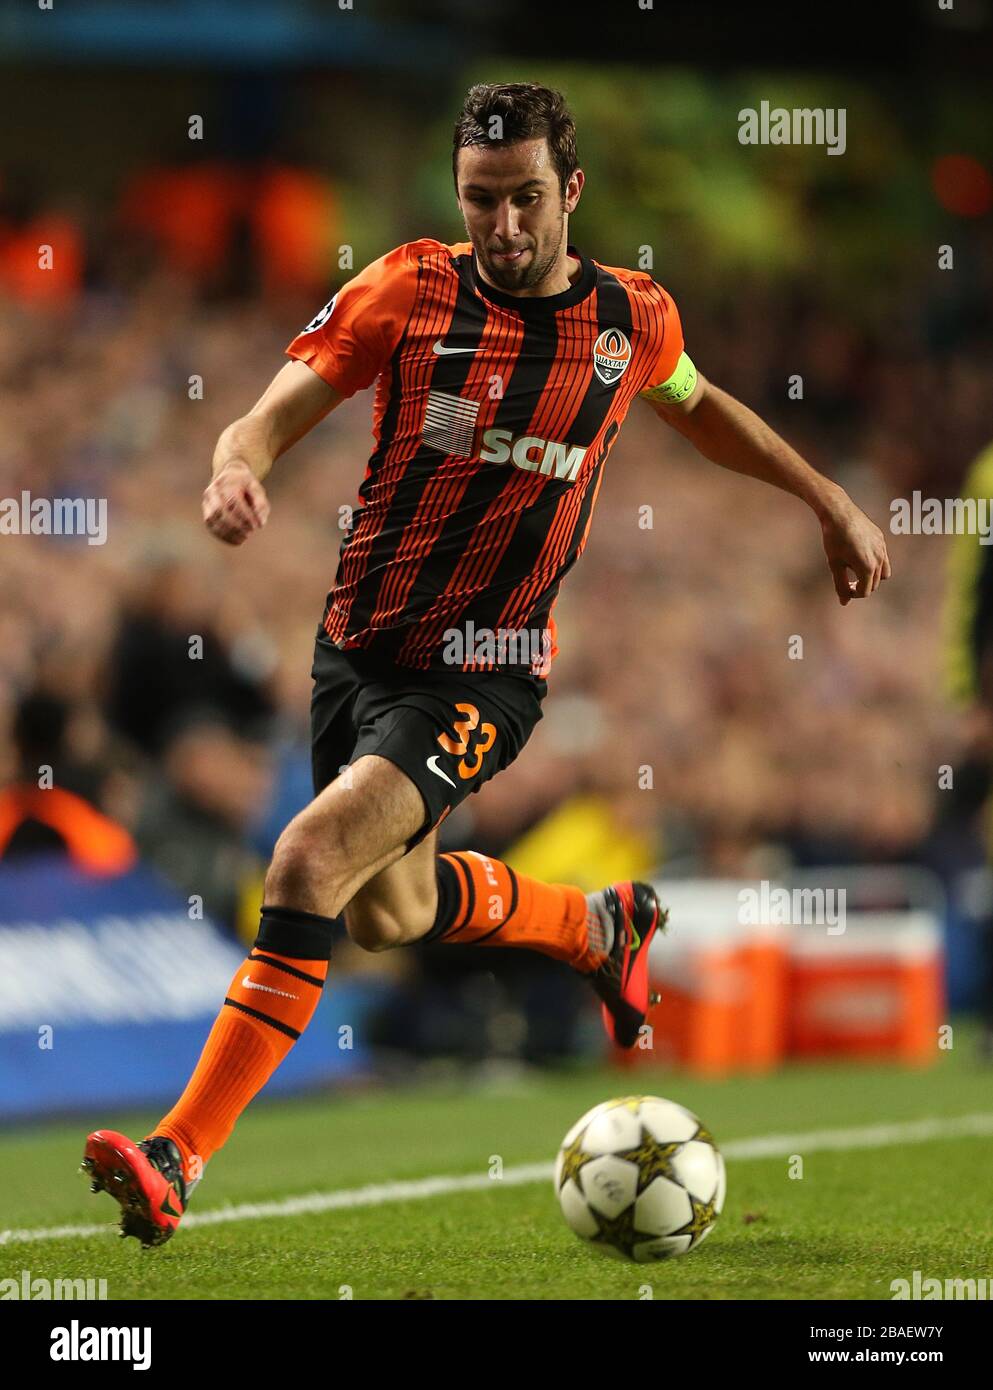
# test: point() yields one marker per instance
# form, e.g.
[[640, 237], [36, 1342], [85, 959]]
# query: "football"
[[640, 1178]]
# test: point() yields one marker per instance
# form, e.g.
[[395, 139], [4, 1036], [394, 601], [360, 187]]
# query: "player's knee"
[[308, 865]]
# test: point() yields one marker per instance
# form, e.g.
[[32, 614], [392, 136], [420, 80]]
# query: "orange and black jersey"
[[493, 417]]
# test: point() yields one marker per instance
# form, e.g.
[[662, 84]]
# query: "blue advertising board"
[[108, 990]]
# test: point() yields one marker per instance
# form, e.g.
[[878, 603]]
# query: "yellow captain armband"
[[679, 387]]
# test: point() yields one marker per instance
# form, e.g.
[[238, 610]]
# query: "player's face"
[[515, 213]]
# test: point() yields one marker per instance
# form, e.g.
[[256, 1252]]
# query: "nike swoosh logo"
[[437, 770], [251, 984], [440, 350]]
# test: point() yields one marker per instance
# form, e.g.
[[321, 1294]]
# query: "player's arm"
[[731, 435], [342, 350], [235, 502]]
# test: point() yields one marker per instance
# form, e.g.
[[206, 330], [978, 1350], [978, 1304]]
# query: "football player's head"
[[517, 179]]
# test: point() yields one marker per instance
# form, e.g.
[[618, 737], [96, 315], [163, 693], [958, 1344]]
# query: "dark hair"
[[527, 112]]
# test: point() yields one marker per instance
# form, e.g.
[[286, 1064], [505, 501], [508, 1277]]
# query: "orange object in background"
[[194, 213], [34, 275], [92, 841], [189, 211], [294, 217], [741, 997], [876, 991], [723, 985]]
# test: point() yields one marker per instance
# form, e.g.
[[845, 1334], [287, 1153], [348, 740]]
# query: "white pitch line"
[[868, 1137], [377, 1194]]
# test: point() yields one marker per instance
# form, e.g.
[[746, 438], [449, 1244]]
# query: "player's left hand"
[[854, 545]]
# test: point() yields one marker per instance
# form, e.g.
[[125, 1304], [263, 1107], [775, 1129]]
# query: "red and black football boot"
[[147, 1179], [622, 980]]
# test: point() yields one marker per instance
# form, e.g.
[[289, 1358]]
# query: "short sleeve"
[[672, 344], [354, 336]]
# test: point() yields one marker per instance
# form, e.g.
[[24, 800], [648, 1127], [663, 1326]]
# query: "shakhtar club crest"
[[611, 355]]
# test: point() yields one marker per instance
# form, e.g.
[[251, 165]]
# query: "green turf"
[[857, 1220]]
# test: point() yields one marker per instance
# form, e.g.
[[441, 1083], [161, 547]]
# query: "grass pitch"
[[859, 1217]]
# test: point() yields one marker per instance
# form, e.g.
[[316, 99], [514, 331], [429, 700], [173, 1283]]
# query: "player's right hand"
[[854, 544], [235, 504]]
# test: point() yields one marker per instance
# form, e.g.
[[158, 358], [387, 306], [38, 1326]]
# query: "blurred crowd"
[[713, 706]]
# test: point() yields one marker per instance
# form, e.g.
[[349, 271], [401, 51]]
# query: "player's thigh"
[[397, 904], [358, 825]]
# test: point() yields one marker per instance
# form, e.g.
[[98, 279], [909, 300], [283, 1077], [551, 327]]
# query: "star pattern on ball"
[[704, 1216], [619, 1231], [652, 1159], [632, 1103], [574, 1158], [704, 1136]]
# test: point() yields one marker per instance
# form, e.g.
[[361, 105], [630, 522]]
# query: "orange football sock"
[[270, 1002], [483, 902]]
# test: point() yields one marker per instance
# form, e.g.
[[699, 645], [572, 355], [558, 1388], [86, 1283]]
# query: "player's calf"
[[398, 906], [376, 927]]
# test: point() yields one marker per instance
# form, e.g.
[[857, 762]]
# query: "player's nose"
[[507, 223]]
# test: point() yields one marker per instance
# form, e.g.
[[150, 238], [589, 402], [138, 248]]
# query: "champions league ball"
[[640, 1178]]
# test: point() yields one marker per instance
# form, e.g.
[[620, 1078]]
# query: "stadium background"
[[178, 259]]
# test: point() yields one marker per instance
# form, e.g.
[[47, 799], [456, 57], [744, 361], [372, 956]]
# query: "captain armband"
[[678, 387]]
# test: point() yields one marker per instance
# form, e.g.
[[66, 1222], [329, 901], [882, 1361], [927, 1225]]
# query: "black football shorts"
[[448, 731]]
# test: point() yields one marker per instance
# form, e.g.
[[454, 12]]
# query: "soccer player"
[[504, 368]]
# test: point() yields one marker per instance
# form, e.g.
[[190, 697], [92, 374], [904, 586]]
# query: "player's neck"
[[562, 278], [565, 275]]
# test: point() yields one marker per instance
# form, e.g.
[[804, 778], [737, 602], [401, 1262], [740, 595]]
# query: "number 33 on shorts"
[[464, 727]]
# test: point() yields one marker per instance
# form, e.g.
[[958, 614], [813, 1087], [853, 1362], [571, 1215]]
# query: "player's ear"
[[573, 189]]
